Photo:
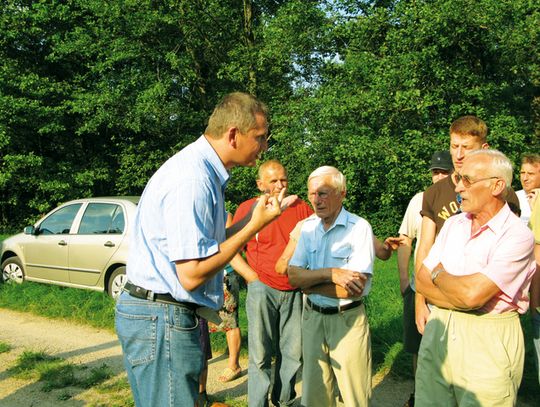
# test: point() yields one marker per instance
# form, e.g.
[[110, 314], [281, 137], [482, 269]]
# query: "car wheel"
[[12, 270], [117, 280]]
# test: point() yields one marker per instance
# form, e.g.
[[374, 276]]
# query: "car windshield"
[[60, 221]]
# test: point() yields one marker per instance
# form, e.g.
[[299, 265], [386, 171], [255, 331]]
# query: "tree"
[[401, 73], [95, 95]]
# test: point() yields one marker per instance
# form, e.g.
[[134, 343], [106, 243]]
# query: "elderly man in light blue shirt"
[[178, 250], [333, 264]]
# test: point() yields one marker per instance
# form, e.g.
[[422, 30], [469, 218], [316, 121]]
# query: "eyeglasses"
[[467, 182]]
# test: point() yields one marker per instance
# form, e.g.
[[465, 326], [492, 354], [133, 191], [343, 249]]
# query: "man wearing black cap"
[[441, 167], [440, 201]]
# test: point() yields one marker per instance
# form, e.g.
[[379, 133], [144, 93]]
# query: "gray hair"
[[500, 166], [338, 179]]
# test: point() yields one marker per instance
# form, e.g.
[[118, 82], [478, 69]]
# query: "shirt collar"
[[496, 223], [208, 152], [341, 220]]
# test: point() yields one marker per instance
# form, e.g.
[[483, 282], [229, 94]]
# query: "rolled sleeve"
[[514, 259], [300, 258], [363, 252], [409, 225]]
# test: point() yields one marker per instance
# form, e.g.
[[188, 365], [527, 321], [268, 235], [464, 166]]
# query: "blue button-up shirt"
[[347, 244], [181, 216]]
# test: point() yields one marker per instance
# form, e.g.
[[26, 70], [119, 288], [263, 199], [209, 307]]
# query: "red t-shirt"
[[264, 249]]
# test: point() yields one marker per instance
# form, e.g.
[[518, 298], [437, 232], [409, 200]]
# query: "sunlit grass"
[[81, 306], [118, 392], [5, 347], [57, 373]]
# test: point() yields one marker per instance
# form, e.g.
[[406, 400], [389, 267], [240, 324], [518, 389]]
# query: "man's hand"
[[384, 250], [533, 196], [288, 201], [393, 242], [267, 209], [403, 284], [421, 313], [352, 281]]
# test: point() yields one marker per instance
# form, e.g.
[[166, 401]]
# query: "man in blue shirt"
[[333, 264], [178, 249]]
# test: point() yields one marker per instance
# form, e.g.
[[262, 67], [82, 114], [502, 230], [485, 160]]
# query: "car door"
[[98, 237], [46, 253]]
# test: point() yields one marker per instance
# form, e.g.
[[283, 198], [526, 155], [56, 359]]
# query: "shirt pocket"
[[340, 253], [312, 261], [475, 259]]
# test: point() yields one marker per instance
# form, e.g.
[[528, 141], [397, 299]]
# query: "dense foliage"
[[95, 95]]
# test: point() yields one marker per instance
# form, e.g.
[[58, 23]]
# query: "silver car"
[[81, 244]]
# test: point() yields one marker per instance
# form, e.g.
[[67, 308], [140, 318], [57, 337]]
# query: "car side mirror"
[[30, 230]]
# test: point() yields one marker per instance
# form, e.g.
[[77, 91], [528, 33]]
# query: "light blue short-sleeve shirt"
[[181, 216], [347, 244]]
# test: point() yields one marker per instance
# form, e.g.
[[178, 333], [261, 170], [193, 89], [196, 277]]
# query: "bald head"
[[483, 183], [272, 177]]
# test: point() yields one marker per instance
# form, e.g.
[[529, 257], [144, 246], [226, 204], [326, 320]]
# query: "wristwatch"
[[435, 273]]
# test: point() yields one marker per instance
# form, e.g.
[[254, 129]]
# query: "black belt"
[[333, 310], [143, 293]]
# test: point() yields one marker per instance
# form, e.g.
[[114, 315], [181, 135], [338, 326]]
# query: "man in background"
[[333, 264], [440, 200], [530, 179], [273, 306], [441, 167], [477, 275]]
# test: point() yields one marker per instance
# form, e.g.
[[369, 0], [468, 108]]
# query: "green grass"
[[81, 306], [32, 364], [57, 373], [5, 347], [384, 307], [117, 391]]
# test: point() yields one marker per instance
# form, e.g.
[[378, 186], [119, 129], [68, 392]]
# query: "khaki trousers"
[[337, 358], [469, 360]]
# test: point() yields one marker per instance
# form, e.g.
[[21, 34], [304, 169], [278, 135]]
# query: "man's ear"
[[232, 135], [259, 185], [485, 146], [499, 187]]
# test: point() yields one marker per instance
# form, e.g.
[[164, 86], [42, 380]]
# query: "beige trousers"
[[469, 360], [337, 358]]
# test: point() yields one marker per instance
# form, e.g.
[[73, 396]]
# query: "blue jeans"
[[162, 353], [274, 327]]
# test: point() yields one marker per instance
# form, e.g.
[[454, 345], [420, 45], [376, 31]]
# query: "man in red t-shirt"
[[274, 307]]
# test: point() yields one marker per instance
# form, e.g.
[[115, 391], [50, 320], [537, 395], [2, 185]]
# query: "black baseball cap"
[[441, 160]]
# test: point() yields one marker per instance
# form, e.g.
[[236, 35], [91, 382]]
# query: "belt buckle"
[[140, 292]]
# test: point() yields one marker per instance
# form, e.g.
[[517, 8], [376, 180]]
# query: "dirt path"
[[83, 345], [91, 347]]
